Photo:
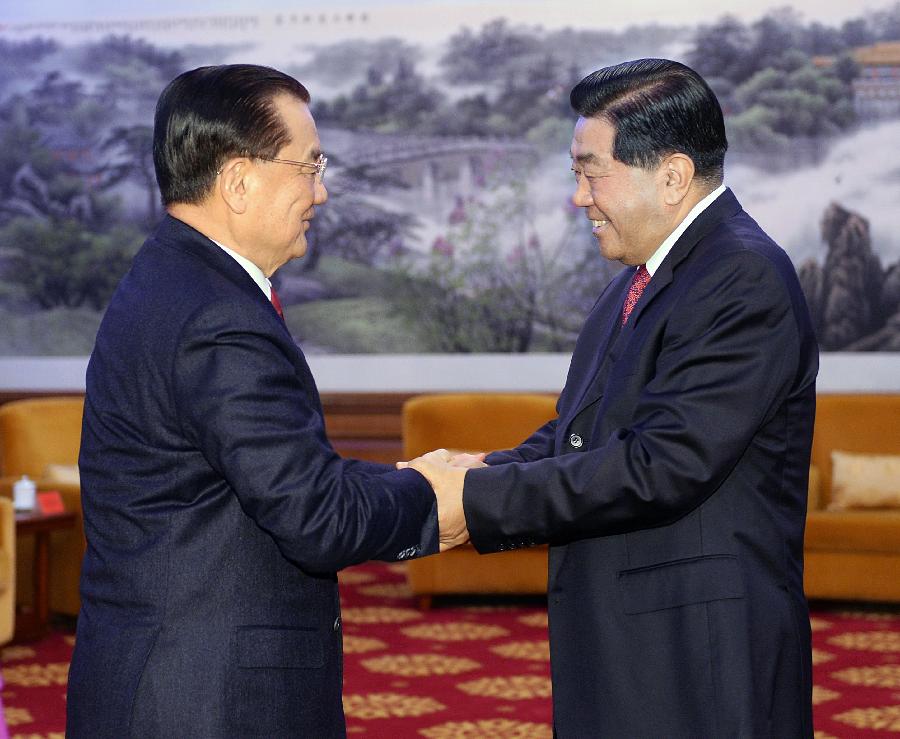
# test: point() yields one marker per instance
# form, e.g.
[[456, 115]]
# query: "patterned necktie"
[[276, 304], [638, 283]]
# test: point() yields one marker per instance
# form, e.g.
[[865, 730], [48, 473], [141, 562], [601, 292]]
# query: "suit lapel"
[[601, 332], [176, 234], [611, 342], [723, 207], [179, 235]]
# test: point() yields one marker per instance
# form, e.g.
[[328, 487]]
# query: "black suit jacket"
[[216, 513], [672, 488]]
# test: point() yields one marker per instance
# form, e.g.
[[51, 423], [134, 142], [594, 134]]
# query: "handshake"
[[446, 473]]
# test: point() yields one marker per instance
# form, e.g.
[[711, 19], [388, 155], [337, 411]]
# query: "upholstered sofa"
[[40, 437], [851, 554], [475, 422], [854, 553], [7, 570]]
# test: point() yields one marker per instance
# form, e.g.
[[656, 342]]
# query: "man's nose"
[[582, 195], [321, 193]]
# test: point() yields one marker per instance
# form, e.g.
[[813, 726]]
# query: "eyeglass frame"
[[319, 165]]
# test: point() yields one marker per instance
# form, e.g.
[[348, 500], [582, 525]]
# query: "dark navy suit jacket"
[[672, 488], [216, 513]]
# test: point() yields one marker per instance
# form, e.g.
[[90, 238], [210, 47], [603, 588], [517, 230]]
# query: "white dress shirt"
[[666, 246], [255, 272]]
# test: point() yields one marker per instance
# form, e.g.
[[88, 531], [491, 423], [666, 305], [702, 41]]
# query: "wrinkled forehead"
[[301, 126], [592, 141]]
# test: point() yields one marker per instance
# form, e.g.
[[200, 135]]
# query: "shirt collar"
[[666, 246], [251, 269]]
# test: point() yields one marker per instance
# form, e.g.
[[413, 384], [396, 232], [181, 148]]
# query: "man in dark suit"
[[672, 485], [216, 511]]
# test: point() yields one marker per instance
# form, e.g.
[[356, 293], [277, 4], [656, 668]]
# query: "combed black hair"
[[657, 107], [209, 114]]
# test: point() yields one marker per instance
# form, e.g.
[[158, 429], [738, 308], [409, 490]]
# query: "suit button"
[[576, 441], [337, 624]]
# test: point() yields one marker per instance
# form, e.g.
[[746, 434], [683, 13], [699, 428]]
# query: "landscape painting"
[[449, 226]]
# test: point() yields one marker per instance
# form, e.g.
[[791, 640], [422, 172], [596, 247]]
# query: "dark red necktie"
[[276, 304], [638, 283]]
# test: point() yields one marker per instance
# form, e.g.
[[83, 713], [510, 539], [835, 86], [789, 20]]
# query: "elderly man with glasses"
[[216, 511]]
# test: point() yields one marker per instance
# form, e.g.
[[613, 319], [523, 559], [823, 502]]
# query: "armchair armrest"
[[815, 489]]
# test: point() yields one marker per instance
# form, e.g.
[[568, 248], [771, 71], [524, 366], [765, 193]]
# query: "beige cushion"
[[864, 481], [66, 474]]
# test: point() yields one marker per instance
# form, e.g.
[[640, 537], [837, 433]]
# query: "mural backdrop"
[[449, 226]]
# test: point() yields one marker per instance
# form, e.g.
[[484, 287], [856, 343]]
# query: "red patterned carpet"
[[481, 672]]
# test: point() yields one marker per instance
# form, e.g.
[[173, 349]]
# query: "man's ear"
[[233, 183], [678, 172]]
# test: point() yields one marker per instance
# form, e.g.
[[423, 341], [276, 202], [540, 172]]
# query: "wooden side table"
[[34, 623]]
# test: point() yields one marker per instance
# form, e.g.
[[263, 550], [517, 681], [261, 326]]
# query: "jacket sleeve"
[[255, 416], [537, 446], [728, 356], [364, 467]]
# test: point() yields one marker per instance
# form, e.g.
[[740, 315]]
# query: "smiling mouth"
[[598, 224]]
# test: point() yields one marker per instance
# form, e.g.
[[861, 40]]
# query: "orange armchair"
[[475, 422], [852, 554], [36, 434], [7, 570]]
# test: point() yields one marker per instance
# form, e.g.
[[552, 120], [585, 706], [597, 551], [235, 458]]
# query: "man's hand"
[[469, 461], [447, 482]]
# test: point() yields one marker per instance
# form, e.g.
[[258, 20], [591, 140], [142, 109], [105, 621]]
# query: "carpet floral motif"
[[386, 705], [362, 644], [16, 716], [387, 590], [887, 717], [517, 687], [355, 577], [538, 620], [379, 615], [537, 651], [867, 615], [460, 672], [419, 665], [819, 657], [881, 676], [455, 631], [10, 654], [499, 728], [31, 675], [820, 695], [870, 641]]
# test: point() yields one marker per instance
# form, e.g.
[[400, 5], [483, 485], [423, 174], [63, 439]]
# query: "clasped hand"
[[446, 473]]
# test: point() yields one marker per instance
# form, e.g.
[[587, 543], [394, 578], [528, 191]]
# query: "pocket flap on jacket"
[[680, 583], [261, 646]]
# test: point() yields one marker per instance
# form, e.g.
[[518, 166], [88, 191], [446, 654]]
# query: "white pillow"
[[64, 474], [864, 481]]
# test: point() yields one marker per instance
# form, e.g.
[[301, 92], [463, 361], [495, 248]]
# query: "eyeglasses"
[[317, 167]]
